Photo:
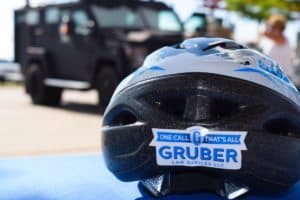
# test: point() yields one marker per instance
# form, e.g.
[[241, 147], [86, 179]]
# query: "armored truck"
[[90, 44]]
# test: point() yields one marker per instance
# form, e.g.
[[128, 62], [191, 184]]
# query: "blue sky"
[[246, 30]]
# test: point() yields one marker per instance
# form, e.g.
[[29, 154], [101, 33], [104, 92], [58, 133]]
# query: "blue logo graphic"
[[196, 138], [154, 68], [270, 71], [273, 69], [259, 71]]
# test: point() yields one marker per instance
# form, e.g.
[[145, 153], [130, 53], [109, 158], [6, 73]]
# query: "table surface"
[[80, 177]]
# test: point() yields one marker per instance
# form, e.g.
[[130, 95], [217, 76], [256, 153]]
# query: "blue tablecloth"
[[79, 177]]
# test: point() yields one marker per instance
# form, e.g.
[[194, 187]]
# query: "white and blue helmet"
[[207, 55], [207, 110]]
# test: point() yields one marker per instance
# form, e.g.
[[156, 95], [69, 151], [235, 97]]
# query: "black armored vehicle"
[[90, 44]]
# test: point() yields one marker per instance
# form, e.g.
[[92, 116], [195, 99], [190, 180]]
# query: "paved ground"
[[26, 129]]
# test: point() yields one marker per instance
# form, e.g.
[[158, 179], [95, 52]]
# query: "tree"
[[259, 10]]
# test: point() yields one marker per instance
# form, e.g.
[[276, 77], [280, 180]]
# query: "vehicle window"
[[52, 16], [65, 15], [117, 17], [19, 18], [32, 17], [194, 23], [81, 22], [164, 20]]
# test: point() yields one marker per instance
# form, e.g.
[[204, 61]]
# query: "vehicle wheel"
[[107, 81], [40, 93]]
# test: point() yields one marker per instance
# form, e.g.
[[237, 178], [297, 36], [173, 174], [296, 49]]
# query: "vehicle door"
[[76, 41], [27, 26]]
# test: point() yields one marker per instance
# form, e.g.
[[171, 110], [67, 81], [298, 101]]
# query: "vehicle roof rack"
[[126, 2]]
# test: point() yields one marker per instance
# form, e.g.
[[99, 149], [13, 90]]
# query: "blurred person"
[[297, 60], [276, 45]]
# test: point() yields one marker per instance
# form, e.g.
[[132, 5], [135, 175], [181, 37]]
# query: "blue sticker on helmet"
[[198, 146]]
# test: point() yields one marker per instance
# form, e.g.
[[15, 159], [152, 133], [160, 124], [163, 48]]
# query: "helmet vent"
[[121, 118], [206, 108], [223, 107], [283, 126], [225, 45], [174, 105], [195, 107]]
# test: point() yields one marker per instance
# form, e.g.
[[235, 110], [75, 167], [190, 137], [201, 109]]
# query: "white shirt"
[[282, 54]]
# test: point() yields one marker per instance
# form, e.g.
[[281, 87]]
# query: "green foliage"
[[262, 9]]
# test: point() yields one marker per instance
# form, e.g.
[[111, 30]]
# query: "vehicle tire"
[[38, 91], [107, 81]]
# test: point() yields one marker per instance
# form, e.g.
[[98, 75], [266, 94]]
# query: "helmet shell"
[[215, 84]]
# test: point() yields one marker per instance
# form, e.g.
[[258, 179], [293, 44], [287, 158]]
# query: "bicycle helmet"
[[207, 114]]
